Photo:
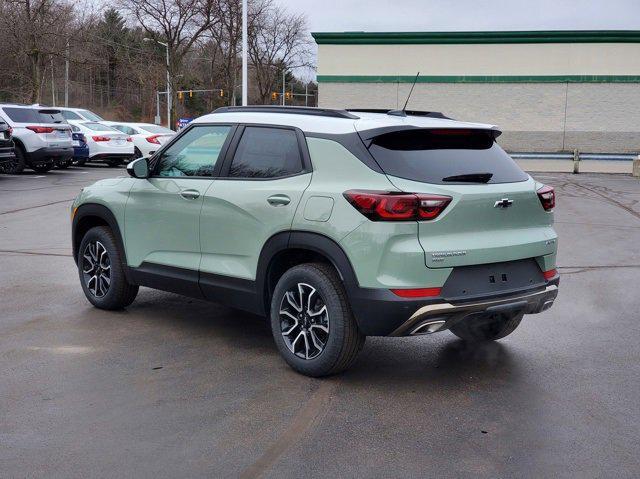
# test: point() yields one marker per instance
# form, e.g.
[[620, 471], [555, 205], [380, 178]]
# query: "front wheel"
[[487, 328], [312, 323], [102, 270]]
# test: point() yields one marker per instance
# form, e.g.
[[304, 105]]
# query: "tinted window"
[[69, 115], [195, 153], [445, 156], [125, 129], [51, 116], [266, 153], [22, 115]]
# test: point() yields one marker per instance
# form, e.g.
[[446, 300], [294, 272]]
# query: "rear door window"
[[266, 153], [445, 156]]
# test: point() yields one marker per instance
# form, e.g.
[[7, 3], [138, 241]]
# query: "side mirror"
[[139, 168]]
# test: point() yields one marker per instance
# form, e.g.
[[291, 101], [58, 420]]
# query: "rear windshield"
[[89, 115], [31, 115], [157, 129], [445, 156], [70, 115], [99, 127]]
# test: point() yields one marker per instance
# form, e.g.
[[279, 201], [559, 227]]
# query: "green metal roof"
[[549, 36]]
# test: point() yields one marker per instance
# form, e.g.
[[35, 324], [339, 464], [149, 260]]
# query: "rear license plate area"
[[468, 282]]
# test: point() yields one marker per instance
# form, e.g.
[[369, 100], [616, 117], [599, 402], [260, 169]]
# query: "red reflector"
[[40, 129], [550, 274], [417, 293], [547, 196], [392, 206]]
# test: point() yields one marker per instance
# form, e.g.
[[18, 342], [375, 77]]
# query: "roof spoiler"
[[367, 136], [429, 114]]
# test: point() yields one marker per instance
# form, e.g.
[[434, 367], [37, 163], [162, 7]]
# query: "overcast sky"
[[446, 15]]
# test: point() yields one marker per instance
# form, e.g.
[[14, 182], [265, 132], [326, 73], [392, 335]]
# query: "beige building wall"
[[593, 117], [518, 86]]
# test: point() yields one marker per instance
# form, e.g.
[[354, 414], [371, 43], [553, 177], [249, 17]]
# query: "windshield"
[[99, 127], [156, 129], [445, 156], [89, 115]]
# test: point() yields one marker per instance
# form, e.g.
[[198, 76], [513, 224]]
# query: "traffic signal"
[[221, 92], [180, 95], [274, 95], [288, 95], [190, 93]]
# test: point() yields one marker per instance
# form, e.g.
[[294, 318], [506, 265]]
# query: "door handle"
[[189, 194], [279, 200]]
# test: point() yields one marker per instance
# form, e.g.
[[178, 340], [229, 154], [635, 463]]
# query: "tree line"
[[112, 62]]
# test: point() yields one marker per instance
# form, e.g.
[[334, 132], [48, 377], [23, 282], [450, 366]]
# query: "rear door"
[[494, 215], [261, 184]]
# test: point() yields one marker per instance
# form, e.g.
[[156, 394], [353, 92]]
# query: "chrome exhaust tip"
[[428, 327]]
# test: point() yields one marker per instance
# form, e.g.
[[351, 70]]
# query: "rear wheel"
[[487, 328], [114, 163], [18, 163], [311, 321], [80, 162], [101, 271]]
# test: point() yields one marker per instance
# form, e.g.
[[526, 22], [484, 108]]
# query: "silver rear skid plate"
[[433, 318]]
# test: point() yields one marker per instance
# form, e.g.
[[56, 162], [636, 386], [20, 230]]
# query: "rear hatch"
[[47, 123], [494, 215]]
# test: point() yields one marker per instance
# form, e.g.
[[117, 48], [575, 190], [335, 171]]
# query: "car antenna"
[[403, 111]]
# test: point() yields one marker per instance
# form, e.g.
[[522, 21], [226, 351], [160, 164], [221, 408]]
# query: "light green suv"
[[335, 224]]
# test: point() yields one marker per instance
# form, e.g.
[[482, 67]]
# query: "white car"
[[105, 143], [147, 138], [41, 135], [78, 114]]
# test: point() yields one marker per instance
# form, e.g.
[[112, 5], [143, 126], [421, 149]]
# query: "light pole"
[[166, 46], [244, 53]]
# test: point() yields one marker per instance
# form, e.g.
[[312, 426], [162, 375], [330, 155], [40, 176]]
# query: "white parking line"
[[22, 176]]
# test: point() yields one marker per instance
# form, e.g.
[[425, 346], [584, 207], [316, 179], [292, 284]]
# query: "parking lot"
[[175, 387]]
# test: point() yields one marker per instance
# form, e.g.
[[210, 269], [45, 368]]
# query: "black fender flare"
[[105, 214], [303, 240]]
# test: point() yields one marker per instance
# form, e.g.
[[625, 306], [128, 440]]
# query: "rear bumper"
[[381, 313], [125, 158], [49, 155]]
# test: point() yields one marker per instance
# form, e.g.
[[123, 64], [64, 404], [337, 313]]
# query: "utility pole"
[[306, 94], [66, 77], [53, 85], [244, 54], [283, 85], [166, 46]]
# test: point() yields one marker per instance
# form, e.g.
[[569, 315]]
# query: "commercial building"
[[547, 90]]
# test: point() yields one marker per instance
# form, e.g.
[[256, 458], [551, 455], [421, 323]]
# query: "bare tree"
[[278, 42]]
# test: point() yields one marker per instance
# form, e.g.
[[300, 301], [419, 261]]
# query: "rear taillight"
[[10, 131], [129, 139], [391, 206], [417, 293], [40, 129], [547, 196], [153, 139], [552, 273], [101, 138]]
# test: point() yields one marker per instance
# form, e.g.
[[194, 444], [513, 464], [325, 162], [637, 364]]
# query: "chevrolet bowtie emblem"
[[503, 203]]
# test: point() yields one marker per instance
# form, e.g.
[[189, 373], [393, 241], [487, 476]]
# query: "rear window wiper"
[[470, 178]]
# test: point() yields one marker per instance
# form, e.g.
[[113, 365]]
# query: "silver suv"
[[42, 137]]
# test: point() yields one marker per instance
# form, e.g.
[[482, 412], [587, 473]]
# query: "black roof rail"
[[430, 114], [294, 110]]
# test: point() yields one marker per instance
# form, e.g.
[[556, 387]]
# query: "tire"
[[487, 328], [118, 293], [42, 168], [16, 166], [342, 340], [63, 165], [114, 163], [81, 162]]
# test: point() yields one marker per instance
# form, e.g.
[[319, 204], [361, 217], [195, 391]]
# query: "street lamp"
[[146, 39]]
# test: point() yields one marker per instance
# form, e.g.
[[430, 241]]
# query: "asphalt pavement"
[[176, 387]]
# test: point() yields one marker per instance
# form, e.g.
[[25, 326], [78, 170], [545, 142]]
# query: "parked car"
[[79, 114], [105, 143], [335, 224], [7, 150], [80, 147], [147, 138], [41, 135]]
